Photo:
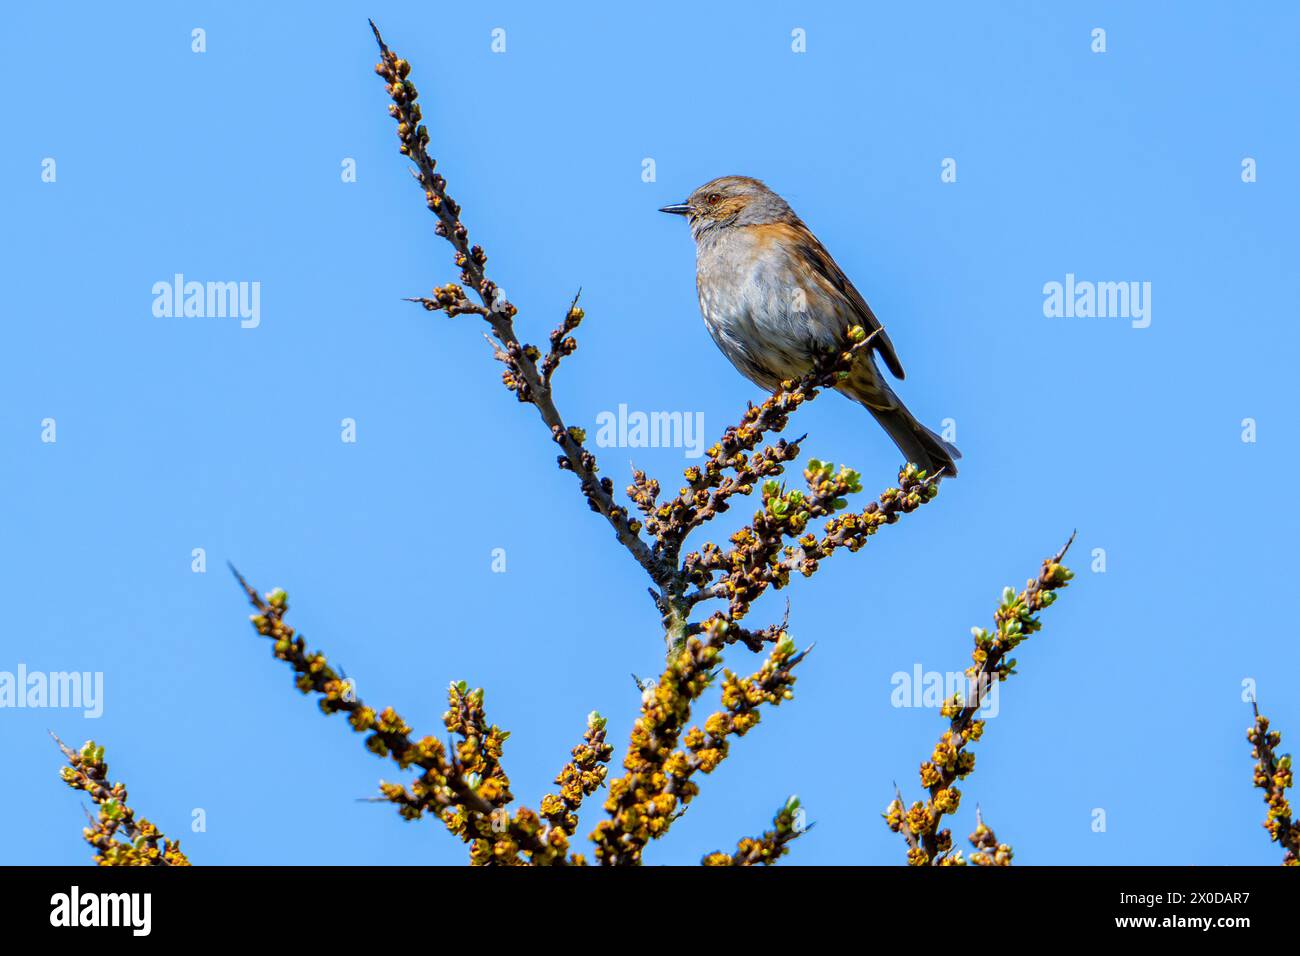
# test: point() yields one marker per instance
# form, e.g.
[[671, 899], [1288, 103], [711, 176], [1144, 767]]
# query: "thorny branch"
[[1274, 776], [1014, 621], [465, 785], [663, 756], [988, 851], [771, 846], [145, 844]]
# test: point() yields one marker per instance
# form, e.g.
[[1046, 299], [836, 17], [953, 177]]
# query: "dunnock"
[[773, 299]]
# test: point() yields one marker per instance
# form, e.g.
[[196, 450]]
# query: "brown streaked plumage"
[[773, 299]]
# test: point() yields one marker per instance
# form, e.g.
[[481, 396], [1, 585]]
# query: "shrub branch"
[[464, 785], [1014, 621], [118, 838], [768, 848], [1273, 775]]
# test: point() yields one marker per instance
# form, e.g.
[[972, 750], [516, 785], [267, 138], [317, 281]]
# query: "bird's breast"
[[768, 323]]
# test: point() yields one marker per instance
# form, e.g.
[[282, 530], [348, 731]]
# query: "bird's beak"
[[677, 209]]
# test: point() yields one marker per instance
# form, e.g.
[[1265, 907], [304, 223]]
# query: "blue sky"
[[180, 433]]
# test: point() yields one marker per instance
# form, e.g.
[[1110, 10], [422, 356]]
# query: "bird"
[[774, 300]]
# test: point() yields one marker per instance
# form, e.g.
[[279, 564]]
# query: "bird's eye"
[[712, 198]]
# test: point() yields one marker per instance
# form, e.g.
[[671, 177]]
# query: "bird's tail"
[[918, 444]]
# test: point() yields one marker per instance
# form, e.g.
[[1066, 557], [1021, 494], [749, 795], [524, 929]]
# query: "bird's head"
[[730, 201]]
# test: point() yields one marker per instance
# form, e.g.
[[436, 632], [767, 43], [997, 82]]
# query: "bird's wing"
[[824, 268]]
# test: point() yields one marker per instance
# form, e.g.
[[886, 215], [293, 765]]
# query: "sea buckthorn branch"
[[522, 375], [729, 632], [644, 493], [896, 818], [582, 776], [760, 556], [643, 804], [451, 299], [638, 807], [768, 848], [479, 752], [988, 851], [1014, 621], [562, 343], [710, 487], [1273, 775], [754, 562], [144, 843], [465, 787], [741, 699], [479, 757]]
